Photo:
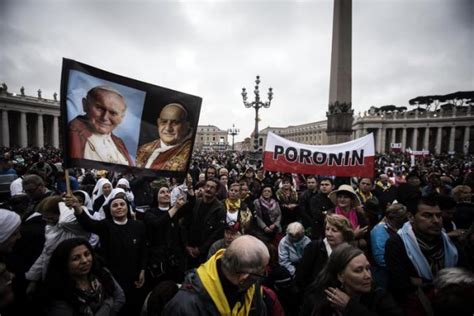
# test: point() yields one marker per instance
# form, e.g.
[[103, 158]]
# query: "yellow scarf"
[[382, 186], [232, 205], [207, 272], [363, 196]]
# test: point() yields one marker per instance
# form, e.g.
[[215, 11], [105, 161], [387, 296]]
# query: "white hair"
[[295, 229], [453, 276]]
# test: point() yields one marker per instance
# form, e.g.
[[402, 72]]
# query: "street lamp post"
[[257, 104], [233, 131]]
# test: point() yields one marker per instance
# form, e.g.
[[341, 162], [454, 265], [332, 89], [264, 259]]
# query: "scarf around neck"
[[364, 196], [351, 216], [416, 256], [209, 277], [90, 300], [384, 187], [232, 205], [269, 204]]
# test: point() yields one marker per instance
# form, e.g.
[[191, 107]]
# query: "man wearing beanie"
[[9, 231], [9, 234]]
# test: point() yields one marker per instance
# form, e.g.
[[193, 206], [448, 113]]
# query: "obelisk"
[[339, 124]]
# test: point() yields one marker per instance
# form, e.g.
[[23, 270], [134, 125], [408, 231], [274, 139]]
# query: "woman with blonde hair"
[[237, 210], [338, 230]]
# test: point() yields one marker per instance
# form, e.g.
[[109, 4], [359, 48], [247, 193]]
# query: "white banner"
[[354, 158]]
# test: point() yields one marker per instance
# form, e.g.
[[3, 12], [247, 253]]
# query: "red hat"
[[234, 227]]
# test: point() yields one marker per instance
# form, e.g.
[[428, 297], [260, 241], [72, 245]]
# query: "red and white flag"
[[351, 159]]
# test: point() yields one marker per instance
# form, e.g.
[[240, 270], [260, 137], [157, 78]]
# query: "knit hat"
[[9, 222]]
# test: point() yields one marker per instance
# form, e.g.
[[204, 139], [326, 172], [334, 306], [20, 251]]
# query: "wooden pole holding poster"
[[68, 183]]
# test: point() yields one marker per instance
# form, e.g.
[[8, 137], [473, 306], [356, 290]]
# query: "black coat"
[[400, 270], [385, 196], [165, 247], [162, 230], [98, 203], [313, 261], [193, 299], [313, 208], [377, 302], [464, 216], [203, 231], [28, 248], [123, 247]]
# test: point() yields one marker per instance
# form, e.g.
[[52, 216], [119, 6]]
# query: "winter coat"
[[67, 227], [194, 299], [377, 302], [288, 254]]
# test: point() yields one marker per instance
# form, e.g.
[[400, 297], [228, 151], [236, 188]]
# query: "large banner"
[[114, 122], [354, 158]]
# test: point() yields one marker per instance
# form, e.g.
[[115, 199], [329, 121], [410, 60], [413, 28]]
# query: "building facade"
[[310, 133], [28, 120], [211, 138], [245, 145], [440, 131]]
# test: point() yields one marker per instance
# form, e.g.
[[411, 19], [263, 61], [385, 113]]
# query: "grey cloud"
[[401, 49]]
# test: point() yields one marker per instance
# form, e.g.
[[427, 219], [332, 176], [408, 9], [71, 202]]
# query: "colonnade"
[[23, 132], [418, 138]]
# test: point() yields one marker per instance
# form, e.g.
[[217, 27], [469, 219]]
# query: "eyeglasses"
[[254, 275]]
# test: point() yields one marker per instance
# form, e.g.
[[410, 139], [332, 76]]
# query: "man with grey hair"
[[227, 284], [453, 292], [90, 135]]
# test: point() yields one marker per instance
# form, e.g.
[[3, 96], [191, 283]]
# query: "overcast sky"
[[401, 49]]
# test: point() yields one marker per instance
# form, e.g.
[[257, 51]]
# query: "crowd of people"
[[233, 239]]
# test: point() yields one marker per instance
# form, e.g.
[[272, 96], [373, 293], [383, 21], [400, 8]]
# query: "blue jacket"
[[289, 254], [378, 237]]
